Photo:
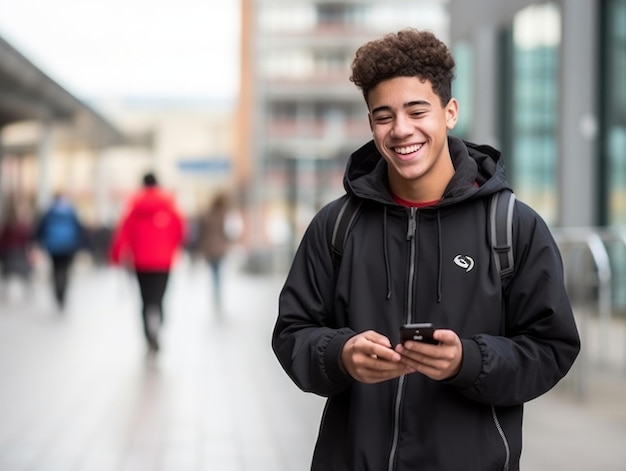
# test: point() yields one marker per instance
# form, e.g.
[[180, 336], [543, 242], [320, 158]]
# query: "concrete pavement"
[[79, 393]]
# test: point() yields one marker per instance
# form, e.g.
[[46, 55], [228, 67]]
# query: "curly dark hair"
[[408, 53]]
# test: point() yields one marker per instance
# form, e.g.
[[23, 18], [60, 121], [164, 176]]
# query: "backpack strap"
[[501, 230], [346, 216]]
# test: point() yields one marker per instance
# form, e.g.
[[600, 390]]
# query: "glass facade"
[[528, 80], [533, 99], [527, 103], [612, 98], [462, 88], [613, 113]]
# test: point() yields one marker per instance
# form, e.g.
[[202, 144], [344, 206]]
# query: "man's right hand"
[[369, 358]]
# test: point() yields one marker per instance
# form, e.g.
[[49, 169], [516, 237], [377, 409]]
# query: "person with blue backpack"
[[61, 234]]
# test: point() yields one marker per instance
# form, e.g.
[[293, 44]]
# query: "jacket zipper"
[[503, 437], [410, 236]]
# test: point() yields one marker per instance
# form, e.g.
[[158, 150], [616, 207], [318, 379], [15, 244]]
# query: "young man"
[[456, 405]]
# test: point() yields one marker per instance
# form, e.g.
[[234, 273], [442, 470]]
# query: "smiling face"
[[410, 128]]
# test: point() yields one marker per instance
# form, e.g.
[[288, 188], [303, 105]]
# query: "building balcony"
[[316, 139], [281, 129], [311, 88]]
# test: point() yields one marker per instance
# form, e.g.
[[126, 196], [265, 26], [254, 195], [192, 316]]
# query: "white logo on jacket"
[[465, 262]]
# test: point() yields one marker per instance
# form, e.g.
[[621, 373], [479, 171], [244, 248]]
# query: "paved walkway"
[[79, 393]]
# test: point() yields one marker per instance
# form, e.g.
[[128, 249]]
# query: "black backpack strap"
[[501, 230], [346, 216]]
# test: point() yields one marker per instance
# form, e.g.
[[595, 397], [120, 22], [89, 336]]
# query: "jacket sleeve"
[[180, 225], [541, 340], [119, 239], [305, 339]]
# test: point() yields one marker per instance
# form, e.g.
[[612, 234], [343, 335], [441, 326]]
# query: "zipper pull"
[[412, 224]]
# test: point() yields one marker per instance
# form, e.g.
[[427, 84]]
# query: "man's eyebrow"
[[380, 108], [416, 103], [406, 105]]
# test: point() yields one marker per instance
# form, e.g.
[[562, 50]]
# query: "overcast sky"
[[136, 48]]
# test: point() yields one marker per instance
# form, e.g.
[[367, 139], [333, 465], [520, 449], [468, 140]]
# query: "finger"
[[417, 357], [385, 353], [423, 364], [436, 368], [411, 347], [377, 338], [445, 336], [383, 371]]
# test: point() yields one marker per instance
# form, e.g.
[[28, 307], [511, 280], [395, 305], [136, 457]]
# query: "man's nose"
[[402, 127]]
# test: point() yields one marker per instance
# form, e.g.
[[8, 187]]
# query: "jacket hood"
[[479, 171], [150, 233], [151, 199]]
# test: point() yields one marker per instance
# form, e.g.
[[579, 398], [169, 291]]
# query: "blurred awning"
[[27, 93]]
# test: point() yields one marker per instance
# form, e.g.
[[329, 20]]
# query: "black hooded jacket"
[[519, 339]]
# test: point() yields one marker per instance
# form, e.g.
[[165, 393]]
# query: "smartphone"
[[422, 332]]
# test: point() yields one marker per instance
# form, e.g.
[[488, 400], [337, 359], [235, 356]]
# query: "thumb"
[[446, 336]]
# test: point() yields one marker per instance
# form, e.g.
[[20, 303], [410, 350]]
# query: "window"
[[331, 14], [462, 89], [613, 113], [612, 139], [531, 106]]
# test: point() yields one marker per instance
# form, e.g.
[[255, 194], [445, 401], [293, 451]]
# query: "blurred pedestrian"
[[147, 238], [61, 234], [16, 236], [214, 242], [100, 243]]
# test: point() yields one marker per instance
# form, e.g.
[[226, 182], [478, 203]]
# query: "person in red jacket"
[[147, 238]]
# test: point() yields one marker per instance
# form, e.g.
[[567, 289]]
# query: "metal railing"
[[590, 280]]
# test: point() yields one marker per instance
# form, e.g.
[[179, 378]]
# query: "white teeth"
[[408, 149]]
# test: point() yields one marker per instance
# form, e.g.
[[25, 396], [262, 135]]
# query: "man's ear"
[[452, 113]]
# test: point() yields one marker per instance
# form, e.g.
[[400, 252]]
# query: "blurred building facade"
[[300, 115], [545, 82], [190, 148], [52, 141], [40, 122]]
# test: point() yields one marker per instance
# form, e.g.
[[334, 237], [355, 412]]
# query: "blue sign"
[[205, 165]]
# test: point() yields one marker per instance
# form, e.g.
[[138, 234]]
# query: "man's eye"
[[382, 119]]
